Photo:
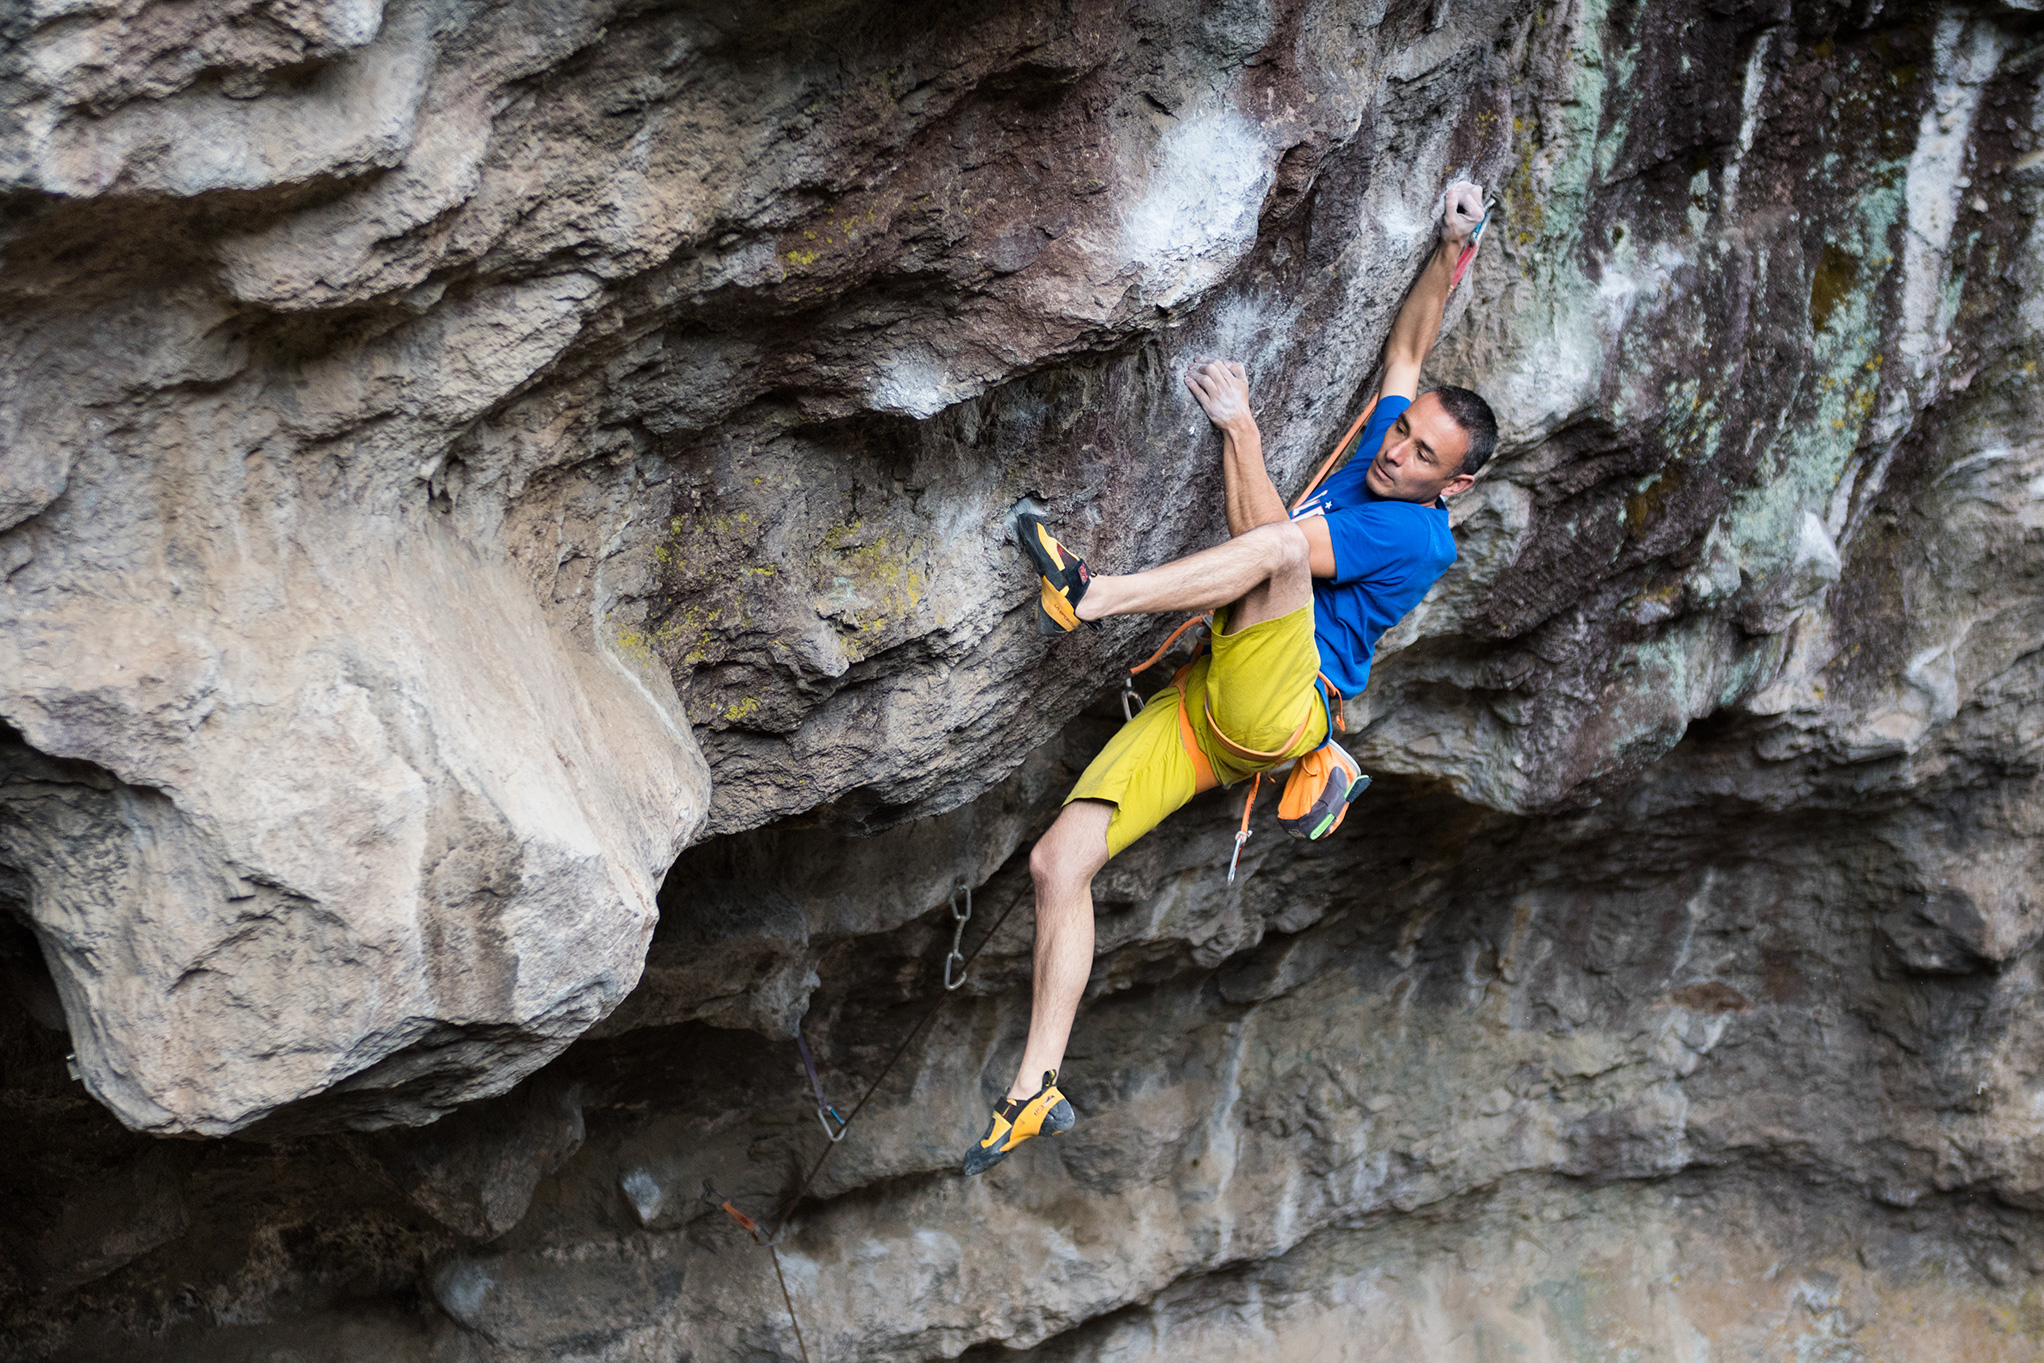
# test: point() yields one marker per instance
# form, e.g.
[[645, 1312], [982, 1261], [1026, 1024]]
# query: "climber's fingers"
[[1461, 210], [1222, 389], [1218, 377]]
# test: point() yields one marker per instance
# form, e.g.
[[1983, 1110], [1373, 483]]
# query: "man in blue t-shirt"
[[1296, 593]]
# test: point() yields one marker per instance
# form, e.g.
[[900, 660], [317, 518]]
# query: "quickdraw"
[[767, 1242], [1469, 248], [745, 1223], [957, 938], [1242, 833], [825, 1113]]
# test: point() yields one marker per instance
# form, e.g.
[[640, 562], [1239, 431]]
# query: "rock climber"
[[1295, 594]]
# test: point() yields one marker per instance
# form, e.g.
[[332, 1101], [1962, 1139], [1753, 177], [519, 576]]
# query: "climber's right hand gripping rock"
[[1461, 211]]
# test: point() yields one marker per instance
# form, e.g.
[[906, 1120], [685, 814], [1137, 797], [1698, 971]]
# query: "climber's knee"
[[1285, 559], [1290, 555], [1072, 851], [1281, 551]]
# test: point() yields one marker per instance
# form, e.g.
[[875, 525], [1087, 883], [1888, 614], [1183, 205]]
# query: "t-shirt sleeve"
[[1377, 543], [1345, 484]]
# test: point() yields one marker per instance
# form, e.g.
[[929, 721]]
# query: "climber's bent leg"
[[1266, 570]]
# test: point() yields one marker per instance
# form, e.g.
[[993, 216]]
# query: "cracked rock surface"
[[504, 623]]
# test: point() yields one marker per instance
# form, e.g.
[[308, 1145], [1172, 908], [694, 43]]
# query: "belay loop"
[[956, 956]]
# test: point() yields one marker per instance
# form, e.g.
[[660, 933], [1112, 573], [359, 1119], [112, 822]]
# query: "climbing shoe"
[[1016, 1120], [1063, 572]]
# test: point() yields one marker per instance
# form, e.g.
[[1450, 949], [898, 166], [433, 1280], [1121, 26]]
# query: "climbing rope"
[[770, 1240], [766, 1242], [782, 1279], [1131, 703], [1341, 447]]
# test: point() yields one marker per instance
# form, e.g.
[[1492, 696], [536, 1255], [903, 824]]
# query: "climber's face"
[[1421, 458]]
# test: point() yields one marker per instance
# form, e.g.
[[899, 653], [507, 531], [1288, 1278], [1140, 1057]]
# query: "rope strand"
[[802, 1189], [808, 1179], [782, 1278]]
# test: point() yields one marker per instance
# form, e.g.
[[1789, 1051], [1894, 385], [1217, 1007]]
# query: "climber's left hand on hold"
[[1222, 387], [1461, 211]]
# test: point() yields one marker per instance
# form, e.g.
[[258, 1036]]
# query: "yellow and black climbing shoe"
[[1063, 572], [1016, 1120]]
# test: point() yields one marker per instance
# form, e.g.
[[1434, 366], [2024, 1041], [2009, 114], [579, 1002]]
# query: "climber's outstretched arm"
[[1222, 386], [1419, 320]]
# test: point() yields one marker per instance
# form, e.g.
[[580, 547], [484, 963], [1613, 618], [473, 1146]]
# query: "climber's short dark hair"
[[1476, 419]]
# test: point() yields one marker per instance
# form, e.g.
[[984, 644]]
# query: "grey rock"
[[475, 1171], [553, 1307], [127, 1212], [474, 480]]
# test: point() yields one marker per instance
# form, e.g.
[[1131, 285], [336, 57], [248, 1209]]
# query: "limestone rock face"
[[504, 624], [312, 792]]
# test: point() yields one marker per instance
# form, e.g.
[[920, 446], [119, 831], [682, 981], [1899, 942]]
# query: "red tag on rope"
[[751, 1227]]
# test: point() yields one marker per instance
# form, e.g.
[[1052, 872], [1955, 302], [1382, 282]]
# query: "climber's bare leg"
[[1063, 865], [1265, 571]]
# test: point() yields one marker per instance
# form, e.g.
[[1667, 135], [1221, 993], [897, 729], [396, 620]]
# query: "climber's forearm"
[[1418, 325], [1253, 498], [1222, 387]]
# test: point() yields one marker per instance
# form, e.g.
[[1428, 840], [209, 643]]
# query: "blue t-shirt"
[[1386, 555]]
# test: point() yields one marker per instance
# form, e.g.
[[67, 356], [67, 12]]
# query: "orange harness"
[[1204, 779]]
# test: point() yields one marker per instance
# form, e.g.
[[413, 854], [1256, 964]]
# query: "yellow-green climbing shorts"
[[1260, 685]]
